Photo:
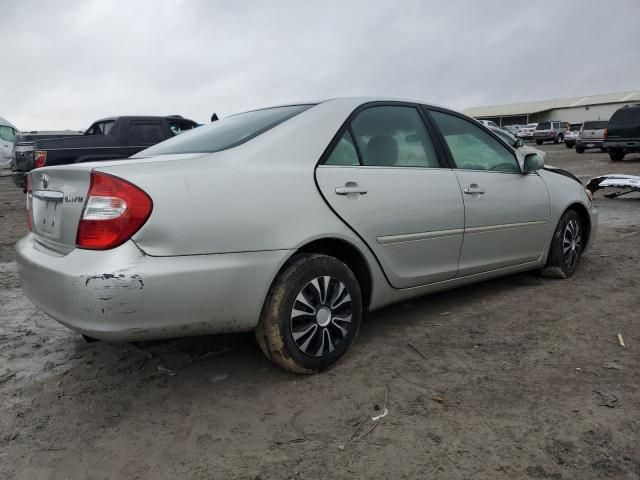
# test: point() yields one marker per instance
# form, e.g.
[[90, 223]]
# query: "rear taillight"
[[605, 134], [39, 158], [28, 196], [113, 212]]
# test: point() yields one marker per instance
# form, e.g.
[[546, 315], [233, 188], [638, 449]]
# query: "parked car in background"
[[8, 133], [571, 135], [622, 135], [550, 131], [526, 131], [517, 143], [23, 146], [105, 139], [293, 221], [488, 123], [591, 135], [512, 129]]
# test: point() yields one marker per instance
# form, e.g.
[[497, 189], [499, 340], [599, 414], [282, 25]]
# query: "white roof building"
[[572, 110]]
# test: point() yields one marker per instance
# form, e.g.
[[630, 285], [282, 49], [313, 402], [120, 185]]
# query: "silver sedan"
[[293, 221]]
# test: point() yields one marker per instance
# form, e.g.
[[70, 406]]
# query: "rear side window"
[[145, 133], [599, 125], [100, 128], [393, 136], [226, 133], [544, 126], [344, 153], [625, 117], [471, 147]]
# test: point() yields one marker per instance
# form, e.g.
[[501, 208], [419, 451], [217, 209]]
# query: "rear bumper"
[[125, 295], [590, 143], [626, 145]]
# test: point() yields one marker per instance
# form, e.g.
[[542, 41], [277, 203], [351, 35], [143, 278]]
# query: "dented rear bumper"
[[124, 295]]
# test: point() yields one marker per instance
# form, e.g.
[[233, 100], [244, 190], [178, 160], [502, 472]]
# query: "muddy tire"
[[311, 315], [566, 247]]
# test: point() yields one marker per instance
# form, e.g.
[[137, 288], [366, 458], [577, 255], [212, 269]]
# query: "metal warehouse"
[[572, 110]]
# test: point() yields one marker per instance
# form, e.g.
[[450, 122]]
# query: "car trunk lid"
[[55, 201]]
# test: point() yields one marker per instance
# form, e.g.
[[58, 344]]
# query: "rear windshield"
[[624, 117], [544, 126], [226, 133], [599, 125]]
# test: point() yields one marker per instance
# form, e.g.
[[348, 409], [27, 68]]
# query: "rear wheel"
[[566, 247], [538, 142], [559, 139], [311, 315], [579, 149], [616, 155]]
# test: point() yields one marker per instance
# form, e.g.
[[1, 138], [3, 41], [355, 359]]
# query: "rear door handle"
[[351, 188], [473, 189]]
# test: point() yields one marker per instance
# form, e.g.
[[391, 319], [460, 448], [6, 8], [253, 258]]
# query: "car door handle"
[[351, 188], [473, 189]]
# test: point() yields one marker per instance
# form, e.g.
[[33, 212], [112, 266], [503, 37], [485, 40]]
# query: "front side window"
[[225, 133], [145, 133], [344, 153], [7, 133], [471, 147], [393, 136]]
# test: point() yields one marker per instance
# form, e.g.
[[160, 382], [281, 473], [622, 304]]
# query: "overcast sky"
[[66, 63]]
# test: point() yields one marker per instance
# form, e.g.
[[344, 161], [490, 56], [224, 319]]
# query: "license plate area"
[[46, 207], [590, 145]]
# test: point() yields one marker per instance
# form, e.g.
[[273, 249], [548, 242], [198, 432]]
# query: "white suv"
[[8, 133]]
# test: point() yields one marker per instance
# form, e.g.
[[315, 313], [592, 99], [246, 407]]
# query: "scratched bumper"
[[124, 295]]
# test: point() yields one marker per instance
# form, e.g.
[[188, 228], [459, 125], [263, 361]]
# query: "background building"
[[572, 110]]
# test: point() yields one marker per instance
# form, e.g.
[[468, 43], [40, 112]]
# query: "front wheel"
[[566, 247], [560, 139], [311, 315]]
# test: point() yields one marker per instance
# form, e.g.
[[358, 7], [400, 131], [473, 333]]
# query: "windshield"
[[599, 125], [226, 133]]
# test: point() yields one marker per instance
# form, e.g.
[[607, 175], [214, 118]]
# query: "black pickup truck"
[[106, 139]]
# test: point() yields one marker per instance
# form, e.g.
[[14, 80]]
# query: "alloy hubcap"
[[571, 243], [321, 316]]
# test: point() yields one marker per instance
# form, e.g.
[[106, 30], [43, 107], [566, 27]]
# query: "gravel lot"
[[521, 377]]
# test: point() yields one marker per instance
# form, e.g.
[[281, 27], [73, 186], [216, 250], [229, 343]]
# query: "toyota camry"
[[293, 222]]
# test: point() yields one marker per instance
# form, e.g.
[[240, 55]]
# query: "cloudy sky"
[[66, 63]]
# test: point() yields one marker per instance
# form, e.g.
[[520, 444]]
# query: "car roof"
[[142, 117]]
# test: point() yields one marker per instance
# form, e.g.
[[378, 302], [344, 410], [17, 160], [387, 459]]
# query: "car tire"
[[560, 139], [538, 142], [566, 247], [616, 155], [311, 315], [567, 145], [579, 150]]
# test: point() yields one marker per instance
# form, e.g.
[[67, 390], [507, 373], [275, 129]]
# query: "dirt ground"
[[521, 377]]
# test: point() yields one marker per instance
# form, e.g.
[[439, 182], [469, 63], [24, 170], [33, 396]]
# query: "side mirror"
[[533, 162], [519, 143]]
